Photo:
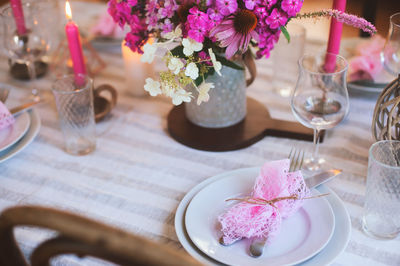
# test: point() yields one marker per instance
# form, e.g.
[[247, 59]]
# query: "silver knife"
[[257, 245], [319, 179], [26, 106]]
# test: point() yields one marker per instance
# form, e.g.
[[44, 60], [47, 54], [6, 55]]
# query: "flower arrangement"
[[193, 35]]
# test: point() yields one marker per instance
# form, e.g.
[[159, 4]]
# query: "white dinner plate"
[[25, 140], [334, 248], [302, 235], [14, 132]]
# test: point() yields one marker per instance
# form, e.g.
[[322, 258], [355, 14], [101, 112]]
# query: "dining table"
[[138, 174]]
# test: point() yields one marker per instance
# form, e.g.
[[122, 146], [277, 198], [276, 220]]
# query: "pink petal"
[[228, 41], [225, 34], [255, 36], [233, 47]]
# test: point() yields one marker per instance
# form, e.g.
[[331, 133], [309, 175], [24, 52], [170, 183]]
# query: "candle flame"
[[68, 11]]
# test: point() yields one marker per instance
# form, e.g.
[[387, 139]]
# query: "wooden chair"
[[83, 237]]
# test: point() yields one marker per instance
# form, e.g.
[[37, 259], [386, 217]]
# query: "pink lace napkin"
[[106, 27], [249, 219], [6, 118], [366, 64]]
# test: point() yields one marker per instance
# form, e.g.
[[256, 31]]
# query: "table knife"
[[257, 245]]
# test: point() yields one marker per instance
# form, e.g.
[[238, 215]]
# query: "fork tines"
[[296, 159]]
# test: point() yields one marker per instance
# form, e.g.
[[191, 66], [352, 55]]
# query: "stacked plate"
[[315, 235], [17, 136]]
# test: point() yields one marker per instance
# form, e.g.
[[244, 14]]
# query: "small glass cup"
[[381, 217], [74, 101], [285, 57]]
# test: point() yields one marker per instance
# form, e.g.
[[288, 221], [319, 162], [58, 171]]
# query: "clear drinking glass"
[[285, 57], [382, 199], [320, 99], [390, 55], [29, 47], [76, 113]]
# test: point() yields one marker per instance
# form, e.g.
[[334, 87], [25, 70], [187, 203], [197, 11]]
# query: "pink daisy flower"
[[236, 31]]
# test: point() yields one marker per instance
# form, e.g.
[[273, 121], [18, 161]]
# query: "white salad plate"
[[336, 245], [25, 140], [14, 132]]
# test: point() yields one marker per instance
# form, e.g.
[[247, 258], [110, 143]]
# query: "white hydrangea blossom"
[[203, 89], [192, 71], [181, 96], [175, 65], [152, 86], [190, 46], [168, 90], [149, 52], [175, 34], [217, 65]]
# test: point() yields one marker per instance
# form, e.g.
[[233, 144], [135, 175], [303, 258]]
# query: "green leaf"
[[178, 51], [199, 80], [285, 33], [228, 63]]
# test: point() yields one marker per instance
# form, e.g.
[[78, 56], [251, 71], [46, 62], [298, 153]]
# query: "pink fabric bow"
[[366, 64], [6, 118], [246, 220], [106, 27]]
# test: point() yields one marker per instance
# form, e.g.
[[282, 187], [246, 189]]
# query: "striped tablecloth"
[[138, 174]]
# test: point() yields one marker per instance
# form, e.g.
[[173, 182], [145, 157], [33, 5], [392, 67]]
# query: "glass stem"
[[32, 76], [316, 144]]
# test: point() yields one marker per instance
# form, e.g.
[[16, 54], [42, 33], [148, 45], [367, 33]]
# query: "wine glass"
[[390, 56], [320, 99], [30, 44]]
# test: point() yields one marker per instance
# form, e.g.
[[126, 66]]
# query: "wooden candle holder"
[[257, 124]]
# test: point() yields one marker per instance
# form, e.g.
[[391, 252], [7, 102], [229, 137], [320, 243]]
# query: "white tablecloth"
[[138, 174]]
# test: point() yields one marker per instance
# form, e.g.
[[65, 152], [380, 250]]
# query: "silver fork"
[[296, 161]]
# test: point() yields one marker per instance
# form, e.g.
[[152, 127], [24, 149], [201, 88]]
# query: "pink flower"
[[204, 56], [352, 20], [135, 41], [151, 6], [227, 7], [168, 10], [261, 12], [292, 7], [236, 31], [267, 40], [196, 16], [250, 4], [214, 14], [269, 3], [197, 24], [276, 19], [167, 26], [132, 2], [197, 34], [115, 11], [343, 17]]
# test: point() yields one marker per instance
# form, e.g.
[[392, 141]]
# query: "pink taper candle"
[[18, 13], [335, 35], [75, 47]]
